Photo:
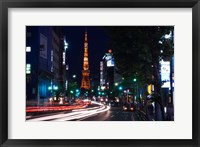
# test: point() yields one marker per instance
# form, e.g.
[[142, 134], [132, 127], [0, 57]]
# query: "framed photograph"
[[103, 73]]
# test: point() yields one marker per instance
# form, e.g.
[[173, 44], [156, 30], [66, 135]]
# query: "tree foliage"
[[138, 50]]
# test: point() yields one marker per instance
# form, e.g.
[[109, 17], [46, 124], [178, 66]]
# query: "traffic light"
[[49, 88], [120, 88], [134, 80]]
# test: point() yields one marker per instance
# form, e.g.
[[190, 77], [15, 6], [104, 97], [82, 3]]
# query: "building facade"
[[44, 47], [108, 72]]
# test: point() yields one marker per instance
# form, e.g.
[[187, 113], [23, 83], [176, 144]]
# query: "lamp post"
[[137, 94], [135, 80]]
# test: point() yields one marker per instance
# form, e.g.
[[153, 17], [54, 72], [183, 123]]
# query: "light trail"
[[54, 116], [85, 109], [108, 108], [53, 108], [85, 114], [75, 114]]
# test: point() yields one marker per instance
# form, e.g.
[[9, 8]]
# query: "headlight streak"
[[85, 114], [86, 109], [74, 115], [54, 116]]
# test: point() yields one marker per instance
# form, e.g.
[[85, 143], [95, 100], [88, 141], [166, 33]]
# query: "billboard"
[[165, 73], [110, 62]]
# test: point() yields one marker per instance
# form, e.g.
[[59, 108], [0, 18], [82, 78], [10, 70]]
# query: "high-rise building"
[[65, 66], [44, 48], [85, 83], [108, 72]]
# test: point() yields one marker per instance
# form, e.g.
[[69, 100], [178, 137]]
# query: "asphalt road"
[[117, 114], [93, 113]]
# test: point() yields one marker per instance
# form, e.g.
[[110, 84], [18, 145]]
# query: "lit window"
[[28, 49], [51, 55], [28, 68], [67, 67]]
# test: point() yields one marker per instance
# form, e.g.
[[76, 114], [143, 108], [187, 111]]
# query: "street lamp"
[[74, 76]]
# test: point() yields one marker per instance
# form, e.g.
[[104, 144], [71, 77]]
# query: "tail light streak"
[[75, 114]]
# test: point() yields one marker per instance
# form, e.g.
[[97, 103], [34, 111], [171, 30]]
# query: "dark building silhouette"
[[44, 70]]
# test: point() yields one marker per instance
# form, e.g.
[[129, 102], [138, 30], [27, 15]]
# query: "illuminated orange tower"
[[85, 72]]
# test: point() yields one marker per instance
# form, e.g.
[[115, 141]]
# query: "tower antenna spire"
[[85, 35]]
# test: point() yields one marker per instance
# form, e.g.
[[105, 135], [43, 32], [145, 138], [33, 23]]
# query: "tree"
[[138, 51], [72, 89]]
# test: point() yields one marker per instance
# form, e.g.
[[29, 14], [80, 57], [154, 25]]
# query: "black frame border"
[[6, 4]]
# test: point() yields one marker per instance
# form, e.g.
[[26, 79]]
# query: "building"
[[44, 47], [65, 66], [108, 72]]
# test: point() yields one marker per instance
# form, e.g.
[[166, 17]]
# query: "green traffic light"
[[134, 80], [49, 88], [120, 88]]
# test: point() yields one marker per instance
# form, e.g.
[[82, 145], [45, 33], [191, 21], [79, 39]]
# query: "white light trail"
[[75, 114]]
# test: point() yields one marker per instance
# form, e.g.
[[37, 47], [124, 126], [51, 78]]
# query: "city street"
[[75, 65], [95, 112]]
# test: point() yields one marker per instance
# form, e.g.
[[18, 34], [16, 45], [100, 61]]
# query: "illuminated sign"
[[101, 65], [165, 73], [63, 58], [67, 67], [108, 57], [65, 44], [110, 62], [150, 88], [28, 68]]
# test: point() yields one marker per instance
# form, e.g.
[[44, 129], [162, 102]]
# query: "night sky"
[[97, 46]]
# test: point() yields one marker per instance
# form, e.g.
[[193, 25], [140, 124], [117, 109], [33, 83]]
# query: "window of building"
[[28, 49], [51, 55], [28, 68], [67, 67]]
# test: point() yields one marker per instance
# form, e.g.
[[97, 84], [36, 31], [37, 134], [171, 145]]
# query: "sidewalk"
[[169, 115]]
